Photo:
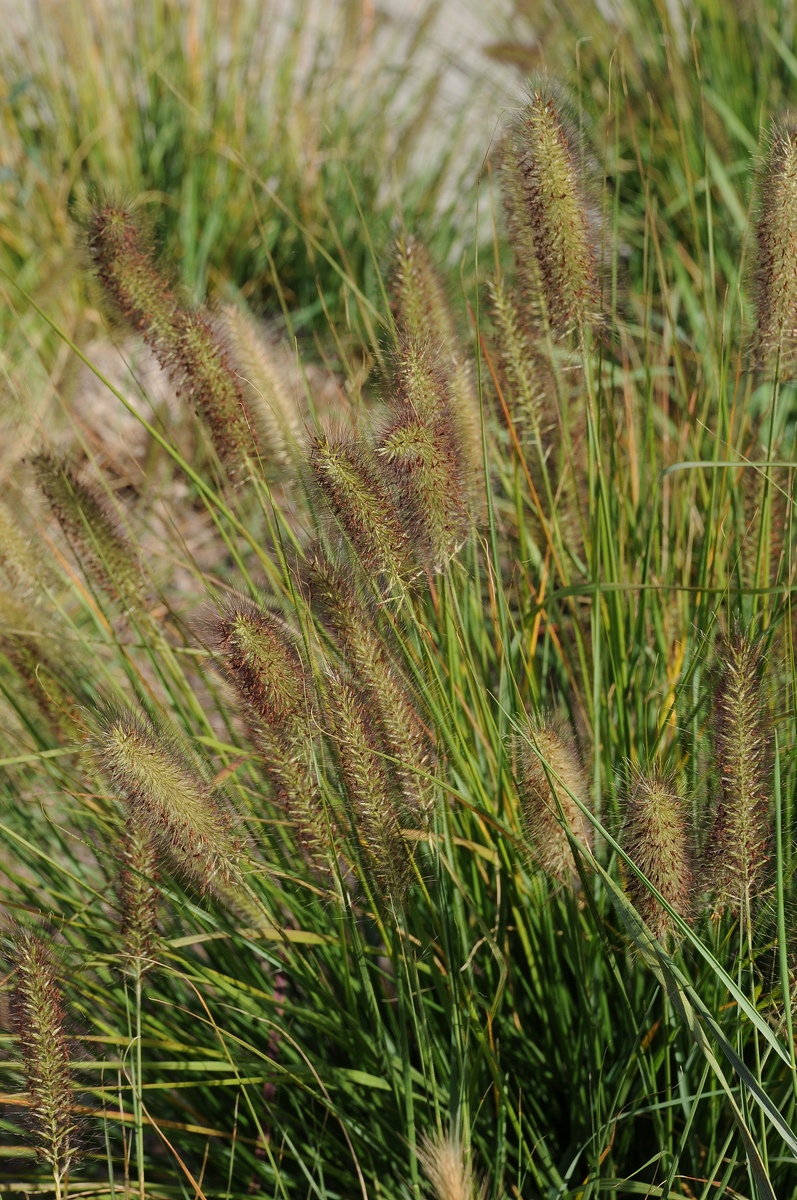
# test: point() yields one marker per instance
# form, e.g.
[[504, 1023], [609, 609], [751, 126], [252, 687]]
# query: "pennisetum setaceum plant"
[[436, 833]]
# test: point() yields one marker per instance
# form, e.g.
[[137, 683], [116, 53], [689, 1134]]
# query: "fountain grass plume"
[[167, 796], [657, 837], [367, 792], [449, 1169], [550, 219], [776, 241], [738, 846], [351, 620], [421, 458], [138, 892], [255, 358], [38, 1017], [351, 481], [182, 339], [103, 548], [260, 655], [549, 775]]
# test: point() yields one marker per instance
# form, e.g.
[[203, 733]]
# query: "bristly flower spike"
[[138, 892], [261, 658], [550, 220], [167, 796], [737, 851], [105, 552], [350, 480], [181, 339], [550, 774], [657, 838], [38, 1014], [449, 1169], [776, 236]]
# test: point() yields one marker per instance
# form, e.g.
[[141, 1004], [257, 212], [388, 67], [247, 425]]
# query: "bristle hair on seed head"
[[449, 1168], [738, 847], [153, 774], [366, 786], [657, 837], [550, 781], [38, 1016], [182, 339], [420, 307], [104, 549], [351, 481], [138, 892], [776, 246], [551, 221], [258, 362], [260, 654]]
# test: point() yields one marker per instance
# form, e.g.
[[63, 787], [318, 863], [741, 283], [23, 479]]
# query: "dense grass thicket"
[[398, 731]]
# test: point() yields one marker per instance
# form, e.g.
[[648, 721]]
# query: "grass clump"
[[346, 909]]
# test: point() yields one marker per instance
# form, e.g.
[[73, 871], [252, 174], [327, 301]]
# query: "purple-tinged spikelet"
[[167, 796], [38, 1015], [737, 850], [776, 235], [366, 787], [657, 838], [421, 458], [261, 657], [549, 774], [550, 220], [182, 340], [138, 892], [429, 358], [338, 602], [352, 485], [104, 550]]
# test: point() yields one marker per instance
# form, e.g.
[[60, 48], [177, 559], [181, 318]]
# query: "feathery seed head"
[[448, 1168], [182, 340], [360, 499], [263, 661], [105, 552], [550, 221], [419, 303], [138, 891], [657, 838], [422, 461], [255, 358], [776, 236], [549, 775], [738, 845], [38, 1015], [367, 788], [168, 797]]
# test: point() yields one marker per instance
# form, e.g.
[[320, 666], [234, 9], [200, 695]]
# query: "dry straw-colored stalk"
[[38, 1015], [738, 846], [549, 776], [658, 840]]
